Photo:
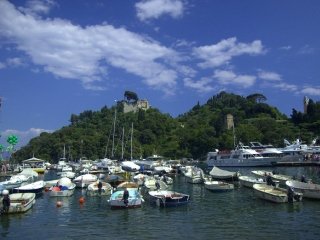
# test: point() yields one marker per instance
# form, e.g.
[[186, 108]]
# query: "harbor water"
[[237, 214]]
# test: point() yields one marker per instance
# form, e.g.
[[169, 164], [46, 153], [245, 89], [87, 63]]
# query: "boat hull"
[[168, 198]]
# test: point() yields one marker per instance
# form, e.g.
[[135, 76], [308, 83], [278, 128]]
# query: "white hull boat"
[[135, 199], [309, 190], [218, 186], [93, 189], [35, 187], [64, 188], [221, 174], [249, 181], [21, 202], [83, 181], [274, 194]]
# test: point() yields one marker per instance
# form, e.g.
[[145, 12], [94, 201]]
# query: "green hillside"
[[191, 135]]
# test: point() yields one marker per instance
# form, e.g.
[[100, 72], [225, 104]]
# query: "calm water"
[[231, 215]]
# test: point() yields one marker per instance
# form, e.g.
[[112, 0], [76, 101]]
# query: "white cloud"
[[14, 62], [223, 52], [286, 87], [201, 86], [148, 9], [286, 48], [271, 76], [306, 50], [35, 7], [314, 91], [71, 51], [229, 78], [2, 65], [23, 136]]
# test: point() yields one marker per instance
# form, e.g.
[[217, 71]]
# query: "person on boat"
[[303, 179], [125, 197], [269, 180], [5, 201], [157, 185], [99, 187], [164, 179], [290, 194]]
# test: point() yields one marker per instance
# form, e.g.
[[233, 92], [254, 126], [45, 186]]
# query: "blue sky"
[[62, 57]]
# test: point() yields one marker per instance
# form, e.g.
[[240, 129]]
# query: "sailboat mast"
[[131, 141], [122, 150], [114, 129]]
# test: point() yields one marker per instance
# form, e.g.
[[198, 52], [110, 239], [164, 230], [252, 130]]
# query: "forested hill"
[[191, 135]]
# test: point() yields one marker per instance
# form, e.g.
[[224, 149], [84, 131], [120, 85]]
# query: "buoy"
[[59, 203], [81, 200]]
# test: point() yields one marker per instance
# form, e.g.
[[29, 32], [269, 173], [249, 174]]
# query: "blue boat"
[[165, 198], [135, 199]]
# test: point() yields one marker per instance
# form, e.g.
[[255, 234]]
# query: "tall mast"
[[131, 141], [114, 129]]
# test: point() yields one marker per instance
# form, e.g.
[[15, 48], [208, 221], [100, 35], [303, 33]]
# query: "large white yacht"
[[241, 156]]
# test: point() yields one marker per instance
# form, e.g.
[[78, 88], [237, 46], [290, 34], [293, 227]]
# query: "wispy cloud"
[[201, 86], [71, 51], [314, 91], [148, 9], [306, 50], [270, 76], [36, 7], [229, 77], [286, 87], [286, 48], [223, 52]]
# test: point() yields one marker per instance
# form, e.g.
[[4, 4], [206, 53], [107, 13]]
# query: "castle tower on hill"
[[135, 106], [305, 104], [230, 122]]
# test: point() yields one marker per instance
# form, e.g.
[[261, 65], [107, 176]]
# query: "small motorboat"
[[248, 181], [309, 190], [221, 174], [276, 194], [84, 180], [64, 188], [35, 187], [165, 198], [218, 186], [20, 202], [135, 200], [151, 183], [93, 189]]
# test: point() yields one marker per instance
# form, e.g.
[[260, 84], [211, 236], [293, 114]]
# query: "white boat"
[[241, 156], [194, 175], [151, 183], [129, 166], [66, 174], [51, 183], [135, 199], [127, 185], [280, 178], [35, 187], [21, 202], [221, 174], [309, 190], [83, 181], [218, 186], [93, 189], [15, 181], [165, 198], [293, 152], [274, 194], [64, 188], [249, 181]]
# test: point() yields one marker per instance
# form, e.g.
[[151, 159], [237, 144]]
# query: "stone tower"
[[230, 122], [305, 104]]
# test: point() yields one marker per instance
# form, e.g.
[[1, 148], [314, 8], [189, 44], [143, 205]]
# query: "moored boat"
[[218, 186], [20, 202], [64, 188], [309, 190], [84, 180], [275, 194], [165, 198], [134, 201], [35, 187], [221, 174], [93, 189], [249, 181]]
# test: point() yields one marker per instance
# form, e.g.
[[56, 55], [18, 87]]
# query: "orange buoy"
[[59, 203], [81, 200]]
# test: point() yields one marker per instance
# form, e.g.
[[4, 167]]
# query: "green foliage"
[[190, 135]]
